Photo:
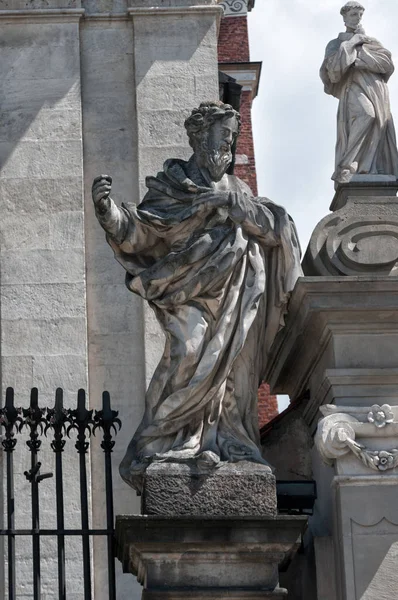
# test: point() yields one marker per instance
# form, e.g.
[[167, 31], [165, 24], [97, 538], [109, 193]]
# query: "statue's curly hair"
[[350, 5], [203, 117]]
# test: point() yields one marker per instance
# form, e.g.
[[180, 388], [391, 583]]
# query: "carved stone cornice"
[[50, 15]]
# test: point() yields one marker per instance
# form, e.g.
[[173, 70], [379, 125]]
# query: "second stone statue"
[[217, 266], [356, 70]]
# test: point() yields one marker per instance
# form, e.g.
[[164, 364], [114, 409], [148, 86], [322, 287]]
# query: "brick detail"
[[233, 47], [267, 405], [233, 40], [247, 172]]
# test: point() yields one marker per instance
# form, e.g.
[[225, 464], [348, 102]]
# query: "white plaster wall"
[[43, 300]]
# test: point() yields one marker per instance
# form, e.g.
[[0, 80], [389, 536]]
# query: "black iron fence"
[[58, 423]]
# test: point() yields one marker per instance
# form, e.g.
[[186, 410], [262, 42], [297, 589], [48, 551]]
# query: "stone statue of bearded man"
[[217, 266]]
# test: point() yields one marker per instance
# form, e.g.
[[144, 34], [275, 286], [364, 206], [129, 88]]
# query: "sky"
[[294, 121]]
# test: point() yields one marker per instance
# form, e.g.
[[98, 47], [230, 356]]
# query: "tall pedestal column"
[[341, 345]]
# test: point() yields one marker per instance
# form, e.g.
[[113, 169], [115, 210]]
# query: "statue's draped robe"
[[358, 77], [219, 287]]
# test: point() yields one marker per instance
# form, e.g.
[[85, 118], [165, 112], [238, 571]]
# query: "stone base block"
[[181, 558], [277, 594], [233, 489]]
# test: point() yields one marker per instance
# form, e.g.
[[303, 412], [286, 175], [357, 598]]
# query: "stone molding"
[[321, 310], [142, 11], [340, 481], [338, 431], [74, 14], [50, 14]]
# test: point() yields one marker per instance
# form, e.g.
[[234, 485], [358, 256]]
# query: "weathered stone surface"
[[242, 488]]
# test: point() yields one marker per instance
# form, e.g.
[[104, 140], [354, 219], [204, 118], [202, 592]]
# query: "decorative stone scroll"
[[338, 430], [360, 237], [234, 8]]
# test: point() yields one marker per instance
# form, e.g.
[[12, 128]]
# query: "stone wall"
[[83, 91], [42, 249]]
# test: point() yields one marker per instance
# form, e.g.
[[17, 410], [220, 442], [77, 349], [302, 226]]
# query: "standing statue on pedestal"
[[356, 70], [216, 266]]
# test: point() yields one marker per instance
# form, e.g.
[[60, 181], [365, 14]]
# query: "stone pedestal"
[[195, 558], [340, 344]]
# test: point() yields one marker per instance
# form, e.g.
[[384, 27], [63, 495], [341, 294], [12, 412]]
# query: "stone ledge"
[[323, 310], [43, 15], [173, 555], [277, 594], [175, 10]]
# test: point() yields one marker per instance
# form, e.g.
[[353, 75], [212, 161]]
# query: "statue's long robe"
[[358, 77], [219, 287]]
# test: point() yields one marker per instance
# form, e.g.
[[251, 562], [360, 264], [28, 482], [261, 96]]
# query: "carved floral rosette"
[[340, 428]]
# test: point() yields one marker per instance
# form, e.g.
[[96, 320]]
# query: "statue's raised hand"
[[100, 192]]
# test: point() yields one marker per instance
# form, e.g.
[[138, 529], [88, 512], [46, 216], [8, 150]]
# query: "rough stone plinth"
[[181, 558], [240, 489]]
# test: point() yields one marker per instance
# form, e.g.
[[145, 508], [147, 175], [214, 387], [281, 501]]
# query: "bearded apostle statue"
[[356, 70], [217, 266]]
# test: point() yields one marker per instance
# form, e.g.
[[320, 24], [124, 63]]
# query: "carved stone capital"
[[339, 430]]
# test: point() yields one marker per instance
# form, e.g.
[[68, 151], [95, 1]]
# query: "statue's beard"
[[215, 161]]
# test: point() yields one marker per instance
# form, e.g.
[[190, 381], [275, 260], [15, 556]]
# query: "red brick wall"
[[267, 405], [233, 47], [245, 147], [233, 41]]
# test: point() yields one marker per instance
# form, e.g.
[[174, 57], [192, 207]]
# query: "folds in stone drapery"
[[219, 286]]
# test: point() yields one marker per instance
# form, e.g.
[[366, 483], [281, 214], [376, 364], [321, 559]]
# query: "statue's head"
[[212, 129], [352, 14]]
